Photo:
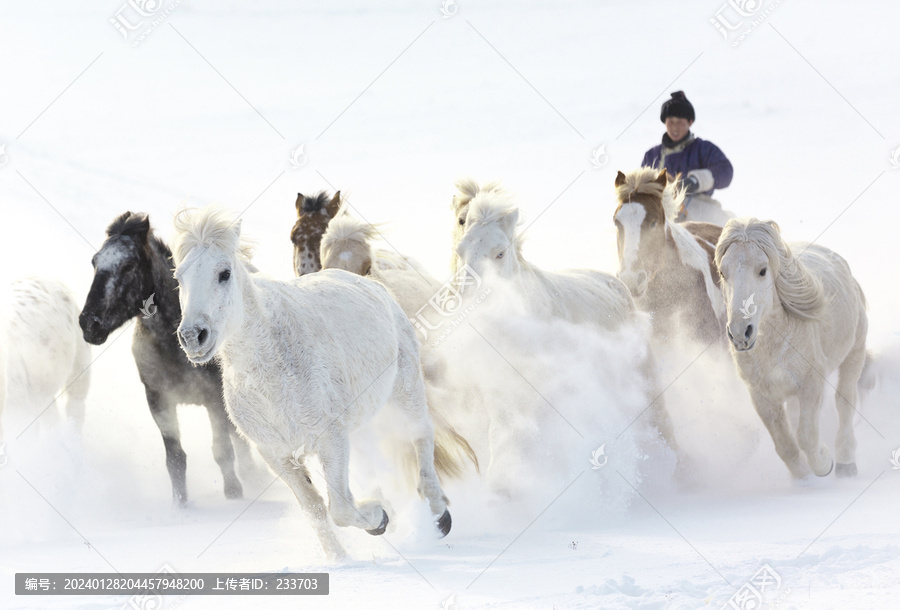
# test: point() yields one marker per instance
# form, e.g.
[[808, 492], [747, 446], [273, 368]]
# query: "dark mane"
[[132, 224], [128, 223], [316, 202]]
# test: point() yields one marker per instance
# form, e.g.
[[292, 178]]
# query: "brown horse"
[[668, 267], [313, 214]]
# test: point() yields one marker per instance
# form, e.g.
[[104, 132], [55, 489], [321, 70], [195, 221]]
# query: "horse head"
[[489, 244], [641, 229], [750, 257], [313, 214], [210, 261], [123, 278]]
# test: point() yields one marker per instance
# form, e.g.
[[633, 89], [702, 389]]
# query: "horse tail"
[[869, 376], [450, 449]]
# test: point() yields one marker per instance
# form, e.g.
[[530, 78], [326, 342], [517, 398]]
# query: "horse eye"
[[653, 224], [462, 222], [224, 276], [762, 273], [500, 255]]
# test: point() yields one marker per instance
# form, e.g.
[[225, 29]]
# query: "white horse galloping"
[[46, 354], [490, 245], [793, 320], [303, 363]]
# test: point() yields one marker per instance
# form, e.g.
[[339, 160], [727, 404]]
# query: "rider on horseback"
[[702, 165]]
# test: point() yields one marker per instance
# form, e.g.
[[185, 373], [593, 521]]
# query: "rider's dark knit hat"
[[677, 106]]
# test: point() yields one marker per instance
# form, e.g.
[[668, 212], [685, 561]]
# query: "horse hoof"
[[381, 528], [234, 491], [444, 523], [845, 470], [830, 468]]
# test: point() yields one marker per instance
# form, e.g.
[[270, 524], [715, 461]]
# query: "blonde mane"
[[801, 293], [211, 226], [643, 181], [468, 189], [344, 228]]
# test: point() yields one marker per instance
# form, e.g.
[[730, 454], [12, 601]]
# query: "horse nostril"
[[201, 337], [749, 331]]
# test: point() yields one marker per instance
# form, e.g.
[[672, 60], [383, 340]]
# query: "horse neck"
[[253, 332], [164, 289]]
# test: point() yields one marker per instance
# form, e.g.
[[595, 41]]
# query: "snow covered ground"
[[392, 101]]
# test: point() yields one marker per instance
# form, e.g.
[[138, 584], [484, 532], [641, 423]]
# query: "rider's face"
[[677, 127]]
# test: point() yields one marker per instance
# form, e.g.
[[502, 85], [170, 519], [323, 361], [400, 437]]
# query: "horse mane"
[[643, 181], [209, 226], [801, 293], [344, 227], [467, 189], [315, 202]]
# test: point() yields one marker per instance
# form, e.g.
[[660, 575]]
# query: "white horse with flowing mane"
[[490, 245], [667, 266], [793, 320], [303, 363], [45, 353]]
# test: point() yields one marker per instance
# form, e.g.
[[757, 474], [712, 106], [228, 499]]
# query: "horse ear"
[[334, 205], [237, 227], [141, 227], [510, 221], [299, 204], [620, 179], [663, 177]]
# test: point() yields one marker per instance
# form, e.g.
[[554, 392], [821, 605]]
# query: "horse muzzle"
[[92, 329], [743, 341], [197, 342]]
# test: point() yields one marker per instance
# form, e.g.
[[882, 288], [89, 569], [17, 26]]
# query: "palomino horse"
[[668, 266], [347, 245], [45, 353], [133, 280], [793, 320], [490, 245], [303, 364], [313, 214]]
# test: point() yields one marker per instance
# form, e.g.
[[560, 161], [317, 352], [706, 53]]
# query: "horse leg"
[[773, 415], [845, 398], [247, 467], [296, 475], [166, 419], [223, 450], [334, 452], [409, 396], [79, 383], [817, 453]]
